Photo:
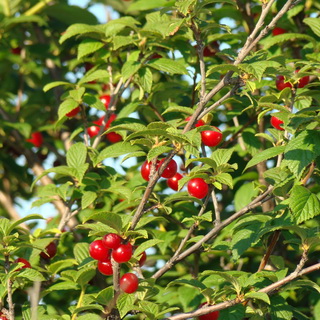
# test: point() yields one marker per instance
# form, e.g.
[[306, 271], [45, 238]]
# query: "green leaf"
[[142, 5], [264, 155], [185, 6], [168, 65], [54, 84], [157, 151], [122, 41], [222, 69], [31, 274], [224, 178], [301, 150], [81, 251], [145, 79], [104, 296], [145, 245], [125, 303], [279, 308], [27, 218], [89, 316], [314, 24], [244, 195], [88, 46], [24, 19], [79, 28], [88, 198], [95, 75], [227, 276], [234, 313], [56, 267], [258, 295], [94, 102], [113, 27], [110, 219], [85, 275], [304, 205], [116, 150], [129, 68], [76, 155], [222, 156], [66, 106]]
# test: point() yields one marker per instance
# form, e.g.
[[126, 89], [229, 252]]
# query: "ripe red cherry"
[[276, 123], [210, 316], [173, 182], [93, 131], [211, 138], [199, 123], [280, 84], [303, 81], [73, 112], [143, 258], [16, 51], [198, 188], [105, 99], [51, 250], [26, 264], [105, 267], [113, 137], [170, 170], [211, 49], [98, 251], [146, 168], [123, 253], [3, 317], [36, 139], [277, 30], [129, 283], [111, 241]]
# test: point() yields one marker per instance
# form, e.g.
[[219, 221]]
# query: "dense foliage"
[[174, 195]]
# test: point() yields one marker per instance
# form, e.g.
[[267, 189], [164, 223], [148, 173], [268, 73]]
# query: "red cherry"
[[211, 49], [303, 81], [93, 131], [105, 267], [73, 112], [26, 264], [276, 31], [113, 137], [173, 182], [129, 283], [199, 123], [211, 138], [170, 170], [111, 241], [105, 99], [88, 66], [51, 250], [280, 84], [155, 56], [198, 188], [146, 168], [143, 258], [98, 251], [276, 123], [16, 51], [3, 317], [209, 316], [36, 139], [110, 120], [123, 253]]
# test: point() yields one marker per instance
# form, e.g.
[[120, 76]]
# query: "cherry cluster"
[[196, 187], [113, 246]]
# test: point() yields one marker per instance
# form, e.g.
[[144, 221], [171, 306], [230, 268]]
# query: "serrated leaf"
[[79, 28], [31, 274], [222, 69], [88, 198], [157, 151], [88, 46], [258, 295], [314, 24], [104, 296], [56, 267], [145, 245], [145, 79], [264, 155], [54, 84], [85, 275], [125, 303], [192, 282], [110, 219], [27, 218], [89, 316], [168, 65], [142, 5], [81, 251], [95, 75], [76, 155], [116, 150], [304, 205], [222, 156], [66, 106], [129, 68]]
